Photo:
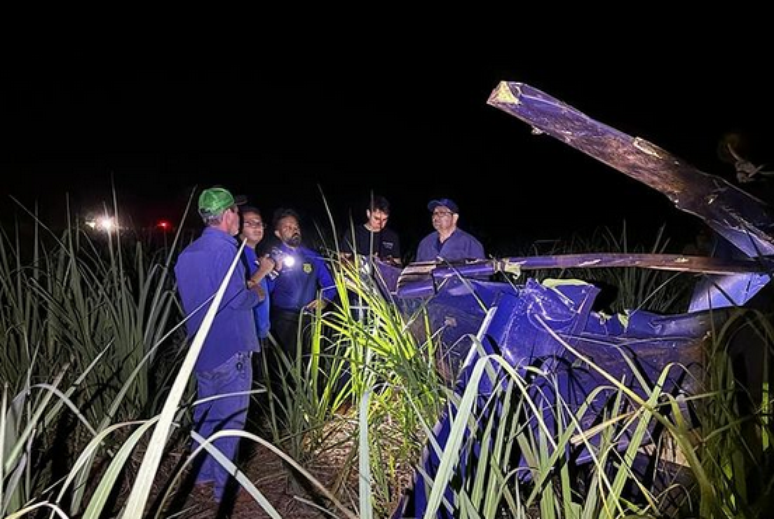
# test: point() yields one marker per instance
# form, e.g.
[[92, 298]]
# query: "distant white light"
[[289, 260], [106, 223], [91, 224]]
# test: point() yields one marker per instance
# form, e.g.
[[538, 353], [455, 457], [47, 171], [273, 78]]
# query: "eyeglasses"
[[440, 214], [255, 223]]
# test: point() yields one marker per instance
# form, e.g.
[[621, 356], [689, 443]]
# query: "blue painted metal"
[[529, 328], [533, 325], [736, 215], [731, 281], [714, 292]]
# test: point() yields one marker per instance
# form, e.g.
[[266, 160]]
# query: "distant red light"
[[164, 225]]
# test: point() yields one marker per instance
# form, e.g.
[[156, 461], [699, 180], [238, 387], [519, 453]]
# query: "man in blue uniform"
[[223, 366], [257, 268], [448, 242], [299, 274]]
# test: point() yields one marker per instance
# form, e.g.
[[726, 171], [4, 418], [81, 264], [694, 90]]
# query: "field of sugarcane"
[[97, 393]]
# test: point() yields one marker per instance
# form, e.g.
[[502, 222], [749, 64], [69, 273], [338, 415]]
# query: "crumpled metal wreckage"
[[532, 324]]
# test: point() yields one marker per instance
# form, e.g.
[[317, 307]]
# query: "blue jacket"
[[296, 286], [200, 269], [459, 246], [261, 311]]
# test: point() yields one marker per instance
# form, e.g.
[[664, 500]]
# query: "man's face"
[[443, 219], [289, 231], [377, 220], [231, 218], [252, 227]]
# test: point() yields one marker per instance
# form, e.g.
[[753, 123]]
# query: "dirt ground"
[[291, 496], [269, 475]]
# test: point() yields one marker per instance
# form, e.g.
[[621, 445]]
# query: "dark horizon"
[[410, 130]]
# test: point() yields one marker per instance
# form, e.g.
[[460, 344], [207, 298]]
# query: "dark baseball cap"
[[445, 202]]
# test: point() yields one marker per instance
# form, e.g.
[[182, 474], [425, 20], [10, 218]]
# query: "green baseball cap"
[[214, 201]]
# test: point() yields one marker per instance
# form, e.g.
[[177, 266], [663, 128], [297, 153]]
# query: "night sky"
[[411, 124]]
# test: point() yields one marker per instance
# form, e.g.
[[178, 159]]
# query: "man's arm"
[[324, 278], [395, 257], [476, 249], [425, 250], [258, 282], [237, 296]]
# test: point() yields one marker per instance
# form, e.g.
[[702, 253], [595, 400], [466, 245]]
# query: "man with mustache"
[[299, 273]]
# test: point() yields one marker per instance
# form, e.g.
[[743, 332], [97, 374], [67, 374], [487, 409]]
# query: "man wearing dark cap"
[[448, 242], [223, 366]]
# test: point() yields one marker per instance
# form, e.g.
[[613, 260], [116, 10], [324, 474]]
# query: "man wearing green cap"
[[224, 365]]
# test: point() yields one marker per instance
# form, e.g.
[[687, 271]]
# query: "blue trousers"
[[234, 375]]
